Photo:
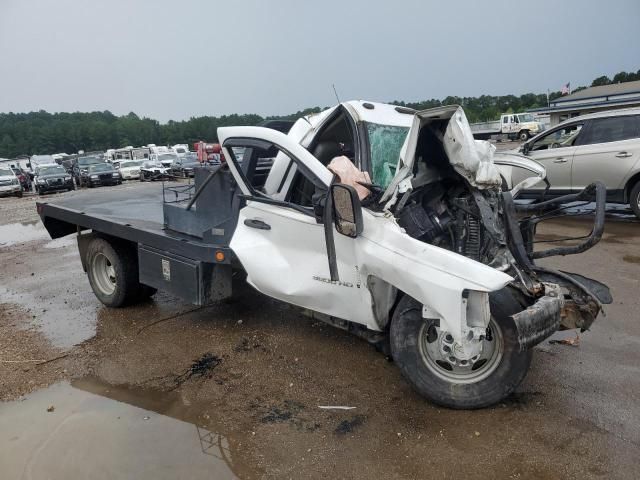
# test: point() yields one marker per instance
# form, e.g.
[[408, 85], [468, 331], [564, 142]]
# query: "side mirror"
[[526, 148], [347, 211]]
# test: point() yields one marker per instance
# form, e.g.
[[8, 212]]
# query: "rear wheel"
[[634, 199], [112, 268], [424, 355], [19, 194]]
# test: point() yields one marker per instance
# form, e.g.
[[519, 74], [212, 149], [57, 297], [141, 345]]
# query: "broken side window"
[[385, 142]]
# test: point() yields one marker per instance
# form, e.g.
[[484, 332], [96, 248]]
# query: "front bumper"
[[100, 182], [45, 187], [130, 176], [10, 189], [157, 176], [540, 320]]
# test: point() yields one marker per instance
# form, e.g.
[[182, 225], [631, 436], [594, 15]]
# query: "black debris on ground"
[[282, 413], [348, 426], [199, 368]]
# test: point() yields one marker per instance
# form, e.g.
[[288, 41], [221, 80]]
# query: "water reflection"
[[95, 430]]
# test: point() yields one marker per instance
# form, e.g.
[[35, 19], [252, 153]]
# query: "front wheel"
[[634, 199], [524, 136], [424, 355]]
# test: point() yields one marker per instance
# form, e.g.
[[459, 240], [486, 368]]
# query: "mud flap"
[[537, 322]]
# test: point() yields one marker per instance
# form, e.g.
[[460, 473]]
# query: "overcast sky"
[[176, 59]]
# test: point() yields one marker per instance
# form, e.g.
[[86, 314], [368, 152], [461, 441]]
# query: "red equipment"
[[209, 152]]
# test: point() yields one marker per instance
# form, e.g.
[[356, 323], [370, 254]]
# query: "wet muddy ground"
[[166, 390]]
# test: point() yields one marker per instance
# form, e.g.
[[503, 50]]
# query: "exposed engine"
[[455, 218]]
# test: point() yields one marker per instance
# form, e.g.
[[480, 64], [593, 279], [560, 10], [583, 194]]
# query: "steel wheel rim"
[[104, 274], [435, 361]]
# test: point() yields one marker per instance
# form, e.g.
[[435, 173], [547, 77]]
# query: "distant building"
[[593, 99]]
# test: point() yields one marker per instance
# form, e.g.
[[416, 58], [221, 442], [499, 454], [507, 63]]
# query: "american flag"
[[566, 89]]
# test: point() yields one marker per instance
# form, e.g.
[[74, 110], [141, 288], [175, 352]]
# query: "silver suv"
[[601, 146]]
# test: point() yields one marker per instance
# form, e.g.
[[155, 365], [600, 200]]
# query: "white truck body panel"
[[296, 253]]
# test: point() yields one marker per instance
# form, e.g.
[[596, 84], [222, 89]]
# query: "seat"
[[327, 150]]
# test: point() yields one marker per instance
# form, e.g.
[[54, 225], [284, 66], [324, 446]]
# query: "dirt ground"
[[252, 372]]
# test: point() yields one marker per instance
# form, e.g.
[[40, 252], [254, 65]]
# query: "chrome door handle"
[[255, 223], [560, 160], [624, 155]]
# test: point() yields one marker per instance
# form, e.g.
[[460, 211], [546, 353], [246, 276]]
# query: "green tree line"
[[45, 133]]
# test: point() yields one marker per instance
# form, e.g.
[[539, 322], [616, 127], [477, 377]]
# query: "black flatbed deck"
[[133, 213]]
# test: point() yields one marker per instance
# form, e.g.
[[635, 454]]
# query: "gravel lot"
[[232, 390]]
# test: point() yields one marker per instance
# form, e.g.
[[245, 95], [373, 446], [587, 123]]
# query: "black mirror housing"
[[347, 210]]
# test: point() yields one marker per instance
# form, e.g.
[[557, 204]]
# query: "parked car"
[[184, 166], [165, 158], [52, 178], [130, 169], [9, 183], [99, 174], [23, 177], [81, 166], [601, 146], [38, 160], [154, 170]]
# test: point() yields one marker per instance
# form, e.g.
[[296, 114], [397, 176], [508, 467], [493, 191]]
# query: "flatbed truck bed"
[[187, 266]]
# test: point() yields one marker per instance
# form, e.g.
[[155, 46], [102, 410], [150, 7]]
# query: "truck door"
[[279, 240], [508, 125]]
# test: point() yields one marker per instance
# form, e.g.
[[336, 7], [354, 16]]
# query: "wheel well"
[[118, 243], [629, 186]]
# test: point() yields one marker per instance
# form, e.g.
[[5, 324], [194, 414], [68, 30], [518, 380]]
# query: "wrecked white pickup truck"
[[390, 223]]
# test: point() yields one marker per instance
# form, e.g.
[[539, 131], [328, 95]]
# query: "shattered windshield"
[[385, 142]]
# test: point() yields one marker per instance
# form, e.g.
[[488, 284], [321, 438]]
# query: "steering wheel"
[[555, 145]]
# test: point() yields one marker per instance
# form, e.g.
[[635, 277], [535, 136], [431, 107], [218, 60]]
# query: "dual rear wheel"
[[112, 268]]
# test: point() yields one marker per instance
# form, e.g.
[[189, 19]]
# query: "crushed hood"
[[473, 159]]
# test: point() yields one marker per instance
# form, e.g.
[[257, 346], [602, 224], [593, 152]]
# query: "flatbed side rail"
[[61, 221]]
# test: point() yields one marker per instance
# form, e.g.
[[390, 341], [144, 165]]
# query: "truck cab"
[[520, 125]]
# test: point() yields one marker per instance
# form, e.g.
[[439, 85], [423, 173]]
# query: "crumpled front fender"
[[434, 276]]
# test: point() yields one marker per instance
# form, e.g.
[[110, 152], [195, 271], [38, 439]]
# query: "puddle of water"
[[66, 320], [21, 232], [100, 431], [62, 242]]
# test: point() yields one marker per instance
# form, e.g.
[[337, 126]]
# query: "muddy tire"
[[634, 199], [497, 376], [112, 269], [524, 135]]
